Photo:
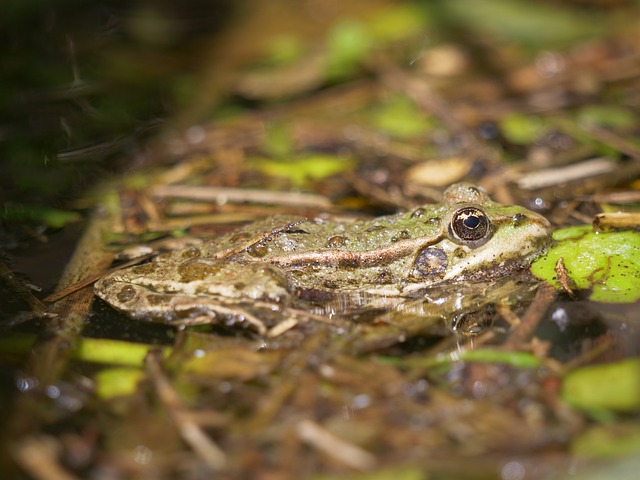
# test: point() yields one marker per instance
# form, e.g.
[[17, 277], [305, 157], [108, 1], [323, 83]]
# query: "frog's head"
[[482, 239]]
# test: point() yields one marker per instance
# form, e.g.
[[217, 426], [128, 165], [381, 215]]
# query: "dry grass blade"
[[38, 456], [562, 175], [335, 447], [282, 327], [14, 283], [191, 432], [604, 222], [60, 294], [541, 302], [239, 195]]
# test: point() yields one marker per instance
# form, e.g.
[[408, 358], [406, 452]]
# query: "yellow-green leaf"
[[603, 441], [614, 386], [607, 263], [117, 382], [300, 170]]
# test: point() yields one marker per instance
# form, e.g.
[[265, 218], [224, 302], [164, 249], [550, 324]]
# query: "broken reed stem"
[[530, 320], [189, 430]]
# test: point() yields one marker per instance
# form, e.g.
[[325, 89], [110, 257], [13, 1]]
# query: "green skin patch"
[[467, 237]]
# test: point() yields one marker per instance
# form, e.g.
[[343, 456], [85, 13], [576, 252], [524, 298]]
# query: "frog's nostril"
[[519, 219]]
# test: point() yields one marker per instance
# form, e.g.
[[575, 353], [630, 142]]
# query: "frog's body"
[[467, 237]]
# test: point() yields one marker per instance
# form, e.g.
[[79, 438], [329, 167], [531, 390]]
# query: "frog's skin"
[[465, 238]]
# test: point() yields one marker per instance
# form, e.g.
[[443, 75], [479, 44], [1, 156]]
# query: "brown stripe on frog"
[[352, 259]]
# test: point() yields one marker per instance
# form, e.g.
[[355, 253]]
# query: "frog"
[[467, 237]]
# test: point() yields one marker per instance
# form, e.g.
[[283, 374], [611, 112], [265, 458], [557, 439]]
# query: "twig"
[[239, 195], [14, 283], [337, 448], [190, 431], [37, 455], [54, 297], [543, 298]]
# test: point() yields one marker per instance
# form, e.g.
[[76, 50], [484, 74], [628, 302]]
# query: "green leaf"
[[393, 473], [608, 263], [348, 43], [614, 386], [52, 217], [400, 118], [606, 116], [521, 129], [604, 441], [484, 355], [277, 142], [397, 22], [284, 49], [113, 352], [117, 382], [515, 359], [532, 23], [299, 171]]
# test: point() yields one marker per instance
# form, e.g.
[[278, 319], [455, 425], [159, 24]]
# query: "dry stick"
[[60, 294], [589, 355], [241, 195], [543, 298], [274, 400], [38, 456], [335, 447], [612, 139], [189, 430], [52, 350], [18, 287]]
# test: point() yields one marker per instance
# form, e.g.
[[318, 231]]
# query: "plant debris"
[[347, 110]]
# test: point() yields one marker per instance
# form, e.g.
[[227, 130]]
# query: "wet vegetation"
[[130, 130]]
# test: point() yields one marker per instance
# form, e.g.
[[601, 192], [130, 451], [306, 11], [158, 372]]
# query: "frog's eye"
[[470, 226]]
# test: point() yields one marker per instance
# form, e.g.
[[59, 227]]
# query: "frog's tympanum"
[[466, 238]]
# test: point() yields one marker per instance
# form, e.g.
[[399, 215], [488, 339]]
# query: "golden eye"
[[470, 226]]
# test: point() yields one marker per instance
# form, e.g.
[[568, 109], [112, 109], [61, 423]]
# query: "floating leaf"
[[348, 43], [533, 23], [396, 473], [237, 363], [397, 22], [52, 217], [484, 355], [17, 343], [114, 352], [521, 129], [515, 359], [284, 49], [117, 382], [608, 441], [277, 142], [606, 116], [608, 263], [300, 170], [614, 386], [400, 118]]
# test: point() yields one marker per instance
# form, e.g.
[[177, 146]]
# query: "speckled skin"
[[393, 255]]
